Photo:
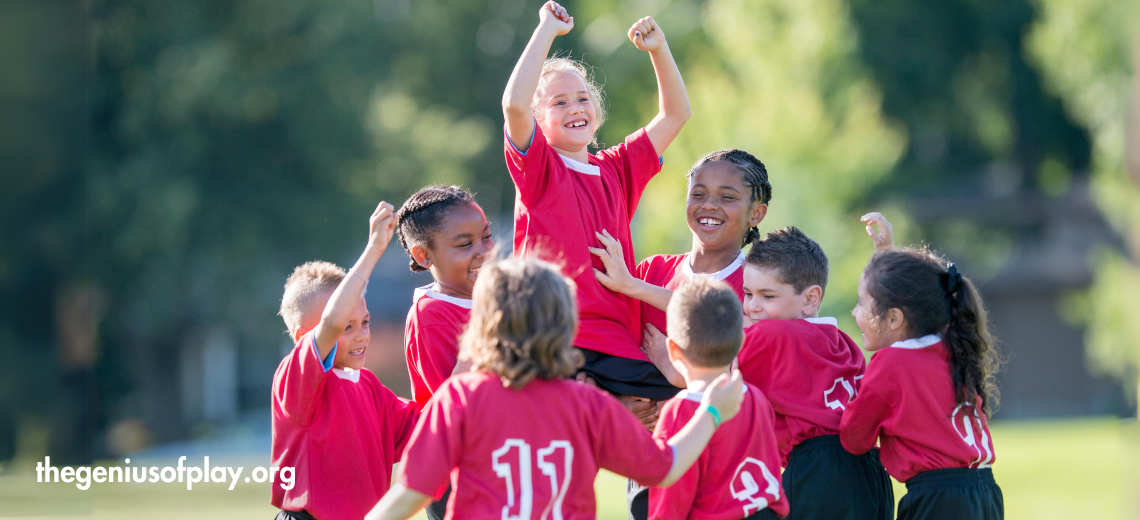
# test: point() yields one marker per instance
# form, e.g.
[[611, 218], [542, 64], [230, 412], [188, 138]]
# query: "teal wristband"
[[714, 414]]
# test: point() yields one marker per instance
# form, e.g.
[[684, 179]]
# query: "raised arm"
[[672, 99], [885, 237], [553, 21], [344, 299]]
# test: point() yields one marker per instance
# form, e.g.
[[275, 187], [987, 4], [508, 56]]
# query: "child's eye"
[[769, 297], [583, 100]]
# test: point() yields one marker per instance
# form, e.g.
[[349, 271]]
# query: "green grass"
[[1056, 469]]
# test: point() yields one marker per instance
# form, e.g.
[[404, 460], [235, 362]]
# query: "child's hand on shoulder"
[[552, 15], [381, 225], [646, 35], [726, 394], [884, 238]]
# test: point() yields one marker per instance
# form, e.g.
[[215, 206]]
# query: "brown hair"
[[705, 319], [752, 172], [564, 64], [523, 320], [935, 299], [798, 260], [308, 281]]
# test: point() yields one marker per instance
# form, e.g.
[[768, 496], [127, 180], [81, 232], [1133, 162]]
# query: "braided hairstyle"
[[936, 299], [423, 213], [753, 173]]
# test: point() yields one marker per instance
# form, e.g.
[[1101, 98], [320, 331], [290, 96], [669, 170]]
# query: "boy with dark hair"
[[738, 475], [809, 370], [333, 421]]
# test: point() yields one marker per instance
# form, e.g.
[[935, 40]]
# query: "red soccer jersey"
[[808, 369], [669, 271], [340, 429], [908, 404], [737, 475], [431, 339], [529, 453], [561, 203]]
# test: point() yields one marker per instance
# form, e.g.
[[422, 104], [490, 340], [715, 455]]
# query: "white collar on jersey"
[[347, 374], [581, 167], [827, 320], [697, 396], [917, 343], [687, 267], [426, 291]]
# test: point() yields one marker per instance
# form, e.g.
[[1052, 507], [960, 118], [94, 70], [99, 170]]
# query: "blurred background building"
[[168, 163]]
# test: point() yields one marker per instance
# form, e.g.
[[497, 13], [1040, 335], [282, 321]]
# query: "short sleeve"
[[864, 416], [435, 445], [530, 170], [405, 415], [675, 501], [437, 352], [636, 162], [300, 379], [639, 456]]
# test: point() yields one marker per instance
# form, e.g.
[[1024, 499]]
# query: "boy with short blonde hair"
[[333, 421]]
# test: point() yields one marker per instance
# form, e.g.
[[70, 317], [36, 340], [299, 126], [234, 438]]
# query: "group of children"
[[706, 378]]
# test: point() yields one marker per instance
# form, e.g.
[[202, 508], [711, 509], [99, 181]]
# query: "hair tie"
[[953, 280]]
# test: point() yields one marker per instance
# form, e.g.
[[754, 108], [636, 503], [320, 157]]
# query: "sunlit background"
[[167, 163]]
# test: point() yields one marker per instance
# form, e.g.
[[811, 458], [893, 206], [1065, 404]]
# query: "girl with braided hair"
[[929, 389]]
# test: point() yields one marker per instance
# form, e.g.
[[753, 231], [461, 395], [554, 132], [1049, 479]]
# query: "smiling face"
[[564, 111], [352, 345], [879, 331], [719, 208], [766, 297], [457, 249]]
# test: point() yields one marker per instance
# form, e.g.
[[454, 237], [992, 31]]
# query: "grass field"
[[1063, 469]]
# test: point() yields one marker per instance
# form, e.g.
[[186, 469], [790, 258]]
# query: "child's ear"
[[813, 299], [673, 349], [758, 214], [896, 320], [421, 256]]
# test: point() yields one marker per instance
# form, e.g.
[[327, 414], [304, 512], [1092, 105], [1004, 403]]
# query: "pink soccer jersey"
[[808, 369], [529, 453], [738, 473], [561, 203], [908, 404], [669, 271], [341, 430], [431, 339]]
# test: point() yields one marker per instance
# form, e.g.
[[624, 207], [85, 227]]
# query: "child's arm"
[[553, 21], [885, 238], [725, 394], [618, 279], [653, 344], [344, 299], [399, 503], [673, 101]]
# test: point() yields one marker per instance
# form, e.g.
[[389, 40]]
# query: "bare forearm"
[[344, 299], [399, 503], [689, 443], [673, 100], [649, 293], [523, 82]]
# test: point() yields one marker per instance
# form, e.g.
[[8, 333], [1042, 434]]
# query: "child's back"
[[738, 474]]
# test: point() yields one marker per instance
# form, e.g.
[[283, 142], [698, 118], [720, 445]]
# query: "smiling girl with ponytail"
[[929, 391]]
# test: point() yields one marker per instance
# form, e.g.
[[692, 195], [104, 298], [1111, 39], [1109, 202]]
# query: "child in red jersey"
[[738, 475], [929, 390], [445, 232], [809, 370], [515, 437], [565, 195], [332, 419]]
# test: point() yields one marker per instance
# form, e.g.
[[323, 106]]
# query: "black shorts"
[[623, 376], [952, 494], [293, 515], [637, 496], [823, 481], [438, 509]]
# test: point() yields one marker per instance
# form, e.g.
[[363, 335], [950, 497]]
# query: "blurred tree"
[[1088, 52]]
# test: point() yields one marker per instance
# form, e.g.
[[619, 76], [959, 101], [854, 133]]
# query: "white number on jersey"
[[558, 456], [969, 427], [745, 488], [834, 399]]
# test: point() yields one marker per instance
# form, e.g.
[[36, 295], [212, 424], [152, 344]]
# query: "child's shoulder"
[[425, 300], [661, 263]]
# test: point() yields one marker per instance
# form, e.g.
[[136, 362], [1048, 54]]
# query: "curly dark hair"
[[934, 299], [754, 174], [423, 213]]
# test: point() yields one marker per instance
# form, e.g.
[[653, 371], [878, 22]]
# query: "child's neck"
[[706, 261], [582, 155], [697, 379]]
